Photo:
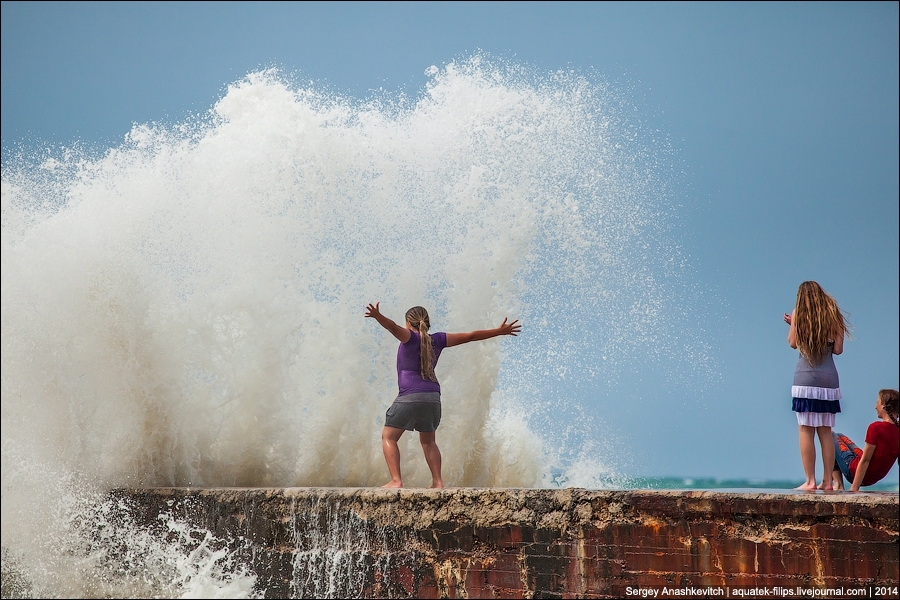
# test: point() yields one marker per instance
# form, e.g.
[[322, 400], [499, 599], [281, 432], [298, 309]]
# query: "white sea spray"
[[186, 309]]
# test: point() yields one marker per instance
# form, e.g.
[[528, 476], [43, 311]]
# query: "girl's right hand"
[[372, 310], [509, 328], [787, 318]]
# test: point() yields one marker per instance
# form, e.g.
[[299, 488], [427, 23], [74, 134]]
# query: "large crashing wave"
[[187, 308]]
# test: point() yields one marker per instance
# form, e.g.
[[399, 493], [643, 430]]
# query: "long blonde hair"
[[418, 318], [818, 320]]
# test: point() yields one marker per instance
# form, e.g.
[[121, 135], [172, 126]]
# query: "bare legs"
[[432, 457], [826, 441], [389, 438], [808, 456]]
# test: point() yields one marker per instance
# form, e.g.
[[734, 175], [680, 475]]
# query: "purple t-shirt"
[[409, 377]]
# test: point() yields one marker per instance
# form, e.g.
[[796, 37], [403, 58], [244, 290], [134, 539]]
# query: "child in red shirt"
[[870, 465]]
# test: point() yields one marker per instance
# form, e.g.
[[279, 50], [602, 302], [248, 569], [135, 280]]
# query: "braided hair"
[[418, 318]]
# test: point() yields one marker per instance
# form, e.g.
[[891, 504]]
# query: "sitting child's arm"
[[455, 339], [862, 467], [401, 333]]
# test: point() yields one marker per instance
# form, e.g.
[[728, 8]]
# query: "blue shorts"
[[844, 453]]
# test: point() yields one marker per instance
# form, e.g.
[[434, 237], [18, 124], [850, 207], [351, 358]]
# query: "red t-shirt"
[[886, 439]]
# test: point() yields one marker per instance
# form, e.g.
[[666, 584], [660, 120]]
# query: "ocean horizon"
[[722, 483]]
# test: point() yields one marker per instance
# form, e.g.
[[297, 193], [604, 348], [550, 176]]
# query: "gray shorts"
[[419, 412]]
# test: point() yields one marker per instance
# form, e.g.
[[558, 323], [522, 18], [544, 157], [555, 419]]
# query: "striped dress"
[[816, 391]]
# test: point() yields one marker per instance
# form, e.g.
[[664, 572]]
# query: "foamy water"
[[187, 308]]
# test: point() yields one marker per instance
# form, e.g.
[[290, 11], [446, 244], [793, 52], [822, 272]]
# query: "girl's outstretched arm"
[[455, 339], [401, 333]]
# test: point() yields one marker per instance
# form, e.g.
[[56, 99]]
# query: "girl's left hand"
[[787, 318]]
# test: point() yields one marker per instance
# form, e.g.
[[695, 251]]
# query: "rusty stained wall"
[[514, 543]]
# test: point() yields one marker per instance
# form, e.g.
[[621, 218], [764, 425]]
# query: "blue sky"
[[785, 116]]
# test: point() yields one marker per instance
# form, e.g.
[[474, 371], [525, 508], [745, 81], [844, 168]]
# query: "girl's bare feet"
[[806, 487], [393, 484]]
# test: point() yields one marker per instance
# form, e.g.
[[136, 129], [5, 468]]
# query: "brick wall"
[[514, 543]]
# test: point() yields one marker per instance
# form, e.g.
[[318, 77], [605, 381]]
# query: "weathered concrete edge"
[[481, 542], [541, 507]]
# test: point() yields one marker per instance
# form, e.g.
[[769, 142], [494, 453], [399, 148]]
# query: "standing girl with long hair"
[[817, 330], [418, 404]]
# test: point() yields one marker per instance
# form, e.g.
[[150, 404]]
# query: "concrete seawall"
[[569, 543]]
